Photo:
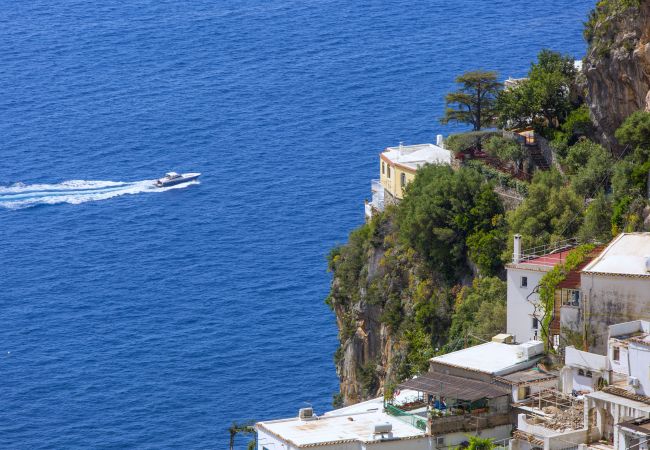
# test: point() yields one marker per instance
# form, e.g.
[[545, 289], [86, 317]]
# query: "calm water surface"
[[140, 319]]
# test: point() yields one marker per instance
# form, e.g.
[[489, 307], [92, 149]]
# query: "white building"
[[615, 287], [398, 167], [489, 359], [583, 371], [616, 410], [628, 354], [358, 427], [524, 311], [511, 366]]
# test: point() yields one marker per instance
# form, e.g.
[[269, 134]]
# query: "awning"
[[440, 384]]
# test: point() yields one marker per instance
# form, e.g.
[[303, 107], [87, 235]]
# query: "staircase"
[[536, 156]]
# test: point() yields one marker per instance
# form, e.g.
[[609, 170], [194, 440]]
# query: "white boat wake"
[[74, 192]]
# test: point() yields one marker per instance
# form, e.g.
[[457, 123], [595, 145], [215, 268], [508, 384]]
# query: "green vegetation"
[[462, 142], [478, 443], [543, 100], [479, 313], [588, 166], [602, 16], [506, 150], [549, 282], [443, 211], [498, 177], [474, 102], [551, 212], [426, 276]]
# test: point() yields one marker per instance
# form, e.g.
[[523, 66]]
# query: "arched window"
[[581, 372], [589, 374], [383, 167], [402, 179], [388, 171]]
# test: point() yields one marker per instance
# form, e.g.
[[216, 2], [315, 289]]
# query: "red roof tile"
[[572, 279]]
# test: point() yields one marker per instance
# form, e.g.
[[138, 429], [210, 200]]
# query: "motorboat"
[[173, 178]]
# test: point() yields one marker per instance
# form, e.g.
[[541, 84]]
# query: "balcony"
[[377, 202]]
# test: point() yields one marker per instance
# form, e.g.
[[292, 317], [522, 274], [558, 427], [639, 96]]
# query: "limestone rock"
[[617, 69]]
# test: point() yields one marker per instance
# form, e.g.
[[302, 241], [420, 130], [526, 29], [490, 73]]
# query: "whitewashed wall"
[[520, 309], [613, 299]]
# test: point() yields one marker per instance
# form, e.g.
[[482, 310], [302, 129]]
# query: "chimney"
[[440, 141], [516, 254]]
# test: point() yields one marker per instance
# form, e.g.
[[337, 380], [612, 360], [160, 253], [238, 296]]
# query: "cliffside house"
[[465, 393], [397, 168], [611, 285], [604, 403], [614, 287], [524, 310], [509, 365], [358, 427]]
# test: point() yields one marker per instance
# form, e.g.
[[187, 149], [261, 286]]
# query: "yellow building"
[[399, 164]]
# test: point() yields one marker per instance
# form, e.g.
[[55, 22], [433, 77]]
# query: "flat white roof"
[[493, 357], [415, 156], [627, 255], [332, 428]]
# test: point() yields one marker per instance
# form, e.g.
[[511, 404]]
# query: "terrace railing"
[[416, 421], [549, 250]]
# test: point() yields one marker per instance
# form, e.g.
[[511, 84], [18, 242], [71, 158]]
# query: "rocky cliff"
[[379, 291], [617, 66]]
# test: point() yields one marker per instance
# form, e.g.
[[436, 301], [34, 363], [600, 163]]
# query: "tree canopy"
[[551, 212], [479, 312], [544, 98], [442, 208], [635, 132], [475, 101], [589, 167]]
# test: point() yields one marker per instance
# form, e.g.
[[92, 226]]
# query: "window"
[[524, 392], [383, 167], [571, 297], [589, 374], [535, 323], [524, 281], [581, 372], [402, 179], [388, 171], [616, 354]]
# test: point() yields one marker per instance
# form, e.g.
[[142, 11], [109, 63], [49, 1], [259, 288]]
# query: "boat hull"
[[185, 178]]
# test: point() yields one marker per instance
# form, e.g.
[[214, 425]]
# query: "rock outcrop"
[[377, 287], [617, 66]]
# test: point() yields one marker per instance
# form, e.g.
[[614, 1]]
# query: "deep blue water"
[[153, 320]]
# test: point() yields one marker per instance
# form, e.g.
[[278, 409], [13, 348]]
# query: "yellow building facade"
[[398, 165]]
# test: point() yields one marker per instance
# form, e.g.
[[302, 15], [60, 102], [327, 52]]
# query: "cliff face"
[[617, 66], [378, 292], [368, 351]]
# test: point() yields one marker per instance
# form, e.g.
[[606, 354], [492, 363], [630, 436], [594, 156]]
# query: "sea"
[[133, 317]]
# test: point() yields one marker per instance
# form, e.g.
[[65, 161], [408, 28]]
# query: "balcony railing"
[[416, 421], [550, 251]]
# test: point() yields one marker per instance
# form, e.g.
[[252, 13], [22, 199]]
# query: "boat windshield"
[[172, 175]]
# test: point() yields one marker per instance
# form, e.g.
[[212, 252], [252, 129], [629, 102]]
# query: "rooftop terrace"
[[415, 156], [626, 255], [339, 428]]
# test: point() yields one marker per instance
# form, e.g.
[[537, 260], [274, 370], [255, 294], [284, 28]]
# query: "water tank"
[[382, 428], [503, 338], [306, 413], [440, 141], [532, 349]]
